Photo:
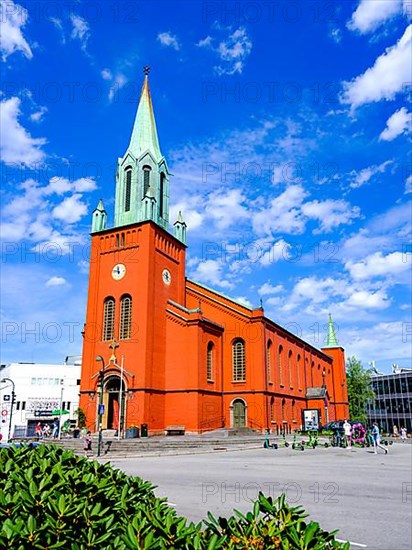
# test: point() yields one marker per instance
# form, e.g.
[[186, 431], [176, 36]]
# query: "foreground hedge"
[[51, 498]]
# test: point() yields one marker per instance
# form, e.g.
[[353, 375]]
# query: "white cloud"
[[80, 31], [233, 52], [284, 213], [38, 115], [106, 74], [210, 272], [120, 80], [370, 14], [17, 145], [362, 177], [386, 78], [330, 213], [227, 208], [71, 210], [205, 42], [398, 123], [13, 19], [244, 301], [169, 40], [61, 185], [56, 281], [369, 300], [192, 217], [379, 265], [408, 185], [266, 289], [279, 251]]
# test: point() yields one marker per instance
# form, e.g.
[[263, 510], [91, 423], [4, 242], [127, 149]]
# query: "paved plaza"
[[367, 497]]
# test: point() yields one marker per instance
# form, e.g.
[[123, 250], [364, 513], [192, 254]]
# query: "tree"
[[360, 390], [81, 418]]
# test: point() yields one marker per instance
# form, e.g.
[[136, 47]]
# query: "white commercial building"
[[35, 392]]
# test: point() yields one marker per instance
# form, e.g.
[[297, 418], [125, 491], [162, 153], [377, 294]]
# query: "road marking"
[[353, 543]]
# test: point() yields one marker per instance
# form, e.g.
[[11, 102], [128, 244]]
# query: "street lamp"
[[101, 406], [13, 396]]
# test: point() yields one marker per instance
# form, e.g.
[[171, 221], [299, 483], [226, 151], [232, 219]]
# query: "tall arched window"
[[125, 317], [298, 367], [108, 319], [239, 366], [161, 191], [209, 362], [146, 179], [128, 189], [290, 367], [269, 360], [280, 367]]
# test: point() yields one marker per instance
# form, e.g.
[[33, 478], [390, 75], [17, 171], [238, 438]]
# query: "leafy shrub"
[[50, 498]]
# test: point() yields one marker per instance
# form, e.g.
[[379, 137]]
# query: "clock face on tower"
[[118, 272], [167, 278]]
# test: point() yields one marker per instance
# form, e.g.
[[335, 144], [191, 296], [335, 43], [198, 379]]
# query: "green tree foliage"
[[50, 498], [359, 389]]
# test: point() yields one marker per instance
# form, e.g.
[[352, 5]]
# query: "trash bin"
[[132, 433], [144, 430]]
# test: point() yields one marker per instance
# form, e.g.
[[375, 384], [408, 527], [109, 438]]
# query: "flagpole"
[[120, 398]]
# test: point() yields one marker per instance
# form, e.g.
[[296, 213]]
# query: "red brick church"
[[164, 350]]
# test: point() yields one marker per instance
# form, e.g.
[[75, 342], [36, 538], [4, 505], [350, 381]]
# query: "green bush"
[[51, 498]]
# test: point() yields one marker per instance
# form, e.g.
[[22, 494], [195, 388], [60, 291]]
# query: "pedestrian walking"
[[403, 434], [347, 429], [395, 431], [55, 428], [377, 439], [87, 443]]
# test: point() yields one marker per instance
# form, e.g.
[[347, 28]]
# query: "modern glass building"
[[393, 401]]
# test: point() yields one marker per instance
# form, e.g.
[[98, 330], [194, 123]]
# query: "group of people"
[[375, 433], [45, 430], [403, 433]]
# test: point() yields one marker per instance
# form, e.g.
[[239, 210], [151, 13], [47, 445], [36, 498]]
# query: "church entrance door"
[[239, 414], [111, 400]]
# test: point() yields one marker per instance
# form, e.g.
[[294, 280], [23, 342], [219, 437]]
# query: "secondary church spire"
[[331, 340], [142, 172]]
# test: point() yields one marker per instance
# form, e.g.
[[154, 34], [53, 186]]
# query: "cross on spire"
[[146, 70]]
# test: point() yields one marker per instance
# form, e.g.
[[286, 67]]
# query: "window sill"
[[238, 381], [210, 381], [270, 383], [282, 385]]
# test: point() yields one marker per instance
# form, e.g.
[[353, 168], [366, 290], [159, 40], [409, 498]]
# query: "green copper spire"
[[144, 135], [331, 340], [142, 178], [99, 218]]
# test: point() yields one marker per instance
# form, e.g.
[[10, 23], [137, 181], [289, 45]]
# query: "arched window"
[[108, 319], [239, 366], [283, 410], [146, 179], [209, 362], [298, 367], [290, 367], [128, 189], [125, 317], [269, 360], [161, 191], [280, 367], [272, 409]]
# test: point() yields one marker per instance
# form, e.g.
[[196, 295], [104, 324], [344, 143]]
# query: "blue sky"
[[287, 128]]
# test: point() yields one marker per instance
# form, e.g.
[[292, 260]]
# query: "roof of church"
[[144, 134]]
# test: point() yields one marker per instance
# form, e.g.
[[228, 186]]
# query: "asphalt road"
[[367, 497]]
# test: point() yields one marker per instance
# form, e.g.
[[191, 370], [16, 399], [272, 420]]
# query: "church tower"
[[136, 268]]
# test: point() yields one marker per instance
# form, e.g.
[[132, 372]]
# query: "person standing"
[[38, 431], [395, 431], [55, 428], [347, 429], [403, 434], [377, 439], [87, 443]]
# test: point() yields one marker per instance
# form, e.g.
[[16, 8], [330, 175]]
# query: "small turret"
[[180, 229], [331, 340], [99, 218], [149, 205]]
